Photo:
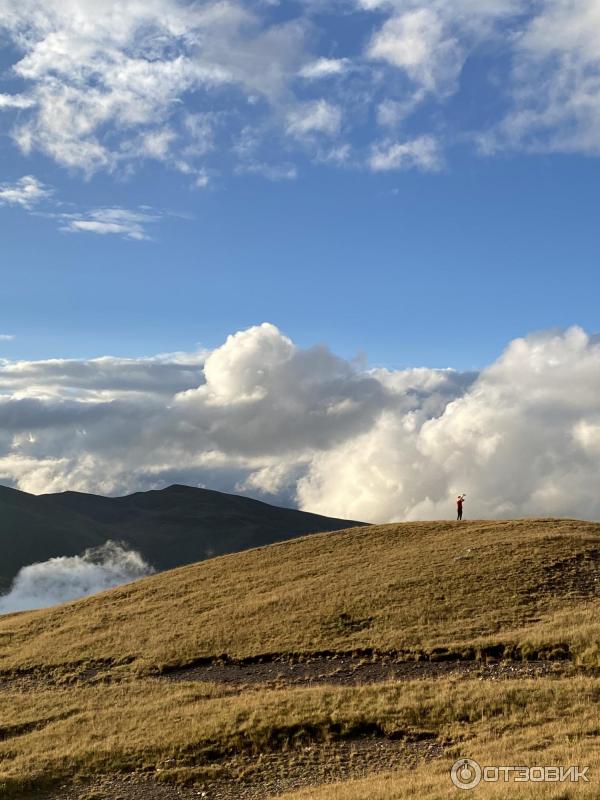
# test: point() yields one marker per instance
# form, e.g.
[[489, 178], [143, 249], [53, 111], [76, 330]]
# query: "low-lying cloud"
[[69, 577], [303, 427]]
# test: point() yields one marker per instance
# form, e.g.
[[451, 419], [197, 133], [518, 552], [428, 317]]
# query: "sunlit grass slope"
[[177, 732], [435, 590], [429, 590]]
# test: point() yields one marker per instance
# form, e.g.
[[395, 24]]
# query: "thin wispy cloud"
[[324, 68], [15, 101], [423, 153], [272, 172], [33, 196], [315, 117], [111, 221]]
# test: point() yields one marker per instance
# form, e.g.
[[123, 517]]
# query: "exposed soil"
[[577, 576], [333, 669], [350, 671]]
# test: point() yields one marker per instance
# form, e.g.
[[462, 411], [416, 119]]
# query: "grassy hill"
[[98, 688], [173, 526]]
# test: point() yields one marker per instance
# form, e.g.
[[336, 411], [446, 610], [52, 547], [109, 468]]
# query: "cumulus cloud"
[[69, 577], [26, 192], [520, 441], [302, 426]]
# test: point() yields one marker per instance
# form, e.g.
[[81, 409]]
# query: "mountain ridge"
[[170, 527]]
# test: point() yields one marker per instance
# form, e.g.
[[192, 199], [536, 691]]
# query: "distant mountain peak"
[[170, 527]]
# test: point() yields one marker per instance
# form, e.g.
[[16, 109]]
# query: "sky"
[[382, 200]]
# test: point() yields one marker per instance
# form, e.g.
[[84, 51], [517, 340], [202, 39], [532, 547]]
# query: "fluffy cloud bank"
[[69, 577], [302, 426]]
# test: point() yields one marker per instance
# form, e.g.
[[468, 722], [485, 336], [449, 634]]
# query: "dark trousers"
[[459, 513]]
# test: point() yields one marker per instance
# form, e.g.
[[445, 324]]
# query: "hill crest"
[[525, 587]]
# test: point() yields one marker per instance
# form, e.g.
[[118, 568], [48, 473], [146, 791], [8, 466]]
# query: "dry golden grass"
[[530, 584], [52, 735]]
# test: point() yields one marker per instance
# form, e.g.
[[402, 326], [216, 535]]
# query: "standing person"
[[459, 505]]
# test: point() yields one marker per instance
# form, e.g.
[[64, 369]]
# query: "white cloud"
[[340, 154], [100, 379], [324, 68], [26, 192], [418, 43], [156, 143], [555, 84], [236, 371], [107, 81], [117, 221], [104, 85], [318, 116], [15, 101], [421, 153], [202, 180], [273, 172], [429, 43], [69, 577], [391, 113], [201, 128], [521, 440], [263, 415], [6, 337]]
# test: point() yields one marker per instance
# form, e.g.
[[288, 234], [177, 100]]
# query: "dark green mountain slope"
[[170, 527]]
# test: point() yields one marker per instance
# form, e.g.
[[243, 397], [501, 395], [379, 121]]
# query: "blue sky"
[[241, 242], [411, 181]]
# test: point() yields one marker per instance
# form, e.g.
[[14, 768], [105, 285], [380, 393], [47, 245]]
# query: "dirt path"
[[336, 670], [248, 776], [349, 671]]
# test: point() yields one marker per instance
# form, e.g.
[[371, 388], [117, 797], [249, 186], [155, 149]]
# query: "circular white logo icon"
[[465, 773]]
